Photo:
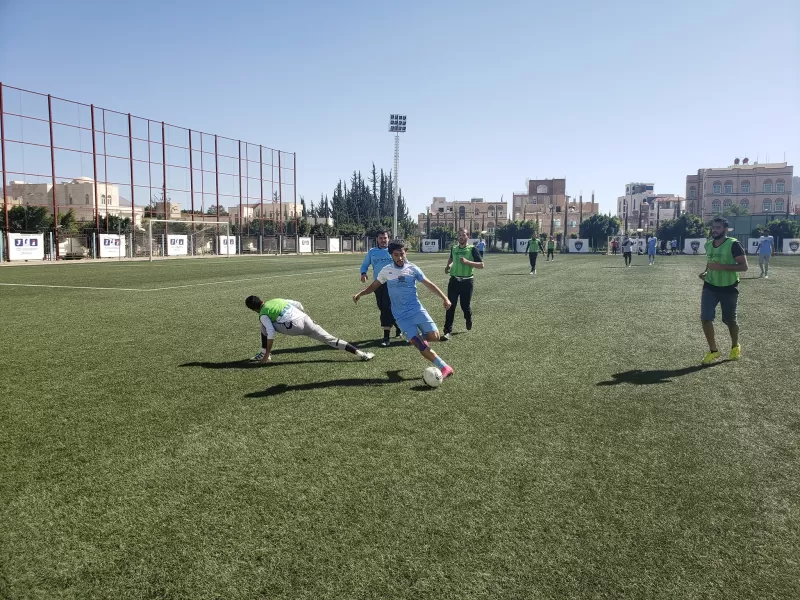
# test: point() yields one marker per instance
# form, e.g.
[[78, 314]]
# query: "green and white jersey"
[[274, 311]]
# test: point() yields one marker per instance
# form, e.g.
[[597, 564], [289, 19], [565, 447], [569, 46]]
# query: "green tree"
[[779, 229], [212, 210], [27, 219], [68, 223], [735, 210], [686, 226], [598, 228]]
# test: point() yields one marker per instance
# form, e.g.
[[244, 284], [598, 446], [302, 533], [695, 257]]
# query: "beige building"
[[546, 202], [272, 211], [474, 214], [642, 208], [77, 195], [759, 188]]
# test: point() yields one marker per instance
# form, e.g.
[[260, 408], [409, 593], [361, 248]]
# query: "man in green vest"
[[289, 317], [551, 247], [533, 250], [726, 258], [464, 259]]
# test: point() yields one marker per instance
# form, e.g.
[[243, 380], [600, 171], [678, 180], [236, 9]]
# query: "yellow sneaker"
[[736, 352], [710, 357]]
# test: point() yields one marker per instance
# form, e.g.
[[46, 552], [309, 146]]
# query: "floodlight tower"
[[397, 125]]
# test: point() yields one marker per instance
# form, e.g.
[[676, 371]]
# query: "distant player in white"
[[289, 318], [766, 247], [627, 250]]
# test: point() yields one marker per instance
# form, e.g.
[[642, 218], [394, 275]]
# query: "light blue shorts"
[[413, 324]]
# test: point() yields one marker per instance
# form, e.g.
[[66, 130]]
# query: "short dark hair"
[[722, 220], [396, 245], [253, 303], [381, 231]]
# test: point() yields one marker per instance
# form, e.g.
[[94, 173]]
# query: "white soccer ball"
[[432, 377]]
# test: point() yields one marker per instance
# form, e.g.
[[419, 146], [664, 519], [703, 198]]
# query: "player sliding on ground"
[[414, 321], [288, 317]]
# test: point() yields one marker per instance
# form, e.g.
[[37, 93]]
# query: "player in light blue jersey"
[[400, 278], [377, 258], [652, 246], [766, 247]]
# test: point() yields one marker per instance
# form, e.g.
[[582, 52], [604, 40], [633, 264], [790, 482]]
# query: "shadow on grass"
[[639, 377], [316, 348], [282, 388], [246, 364]]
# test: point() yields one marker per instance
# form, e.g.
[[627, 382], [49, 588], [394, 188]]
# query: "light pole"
[[397, 125]]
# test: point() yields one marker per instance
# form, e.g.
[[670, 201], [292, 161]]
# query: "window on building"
[[102, 198], [717, 187], [779, 208], [727, 203], [715, 206], [768, 186], [745, 203], [572, 223], [556, 222], [780, 186], [87, 199], [766, 205], [70, 198], [692, 192], [728, 187], [745, 187], [542, 189], [462, 212], [691, 207]]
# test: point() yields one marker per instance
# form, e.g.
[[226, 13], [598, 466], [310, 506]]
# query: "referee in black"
[[464, 258]]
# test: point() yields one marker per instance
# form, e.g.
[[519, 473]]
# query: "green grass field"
[[579, 451]]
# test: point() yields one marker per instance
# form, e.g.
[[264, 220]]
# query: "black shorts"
[[728, 301], [385, 306]]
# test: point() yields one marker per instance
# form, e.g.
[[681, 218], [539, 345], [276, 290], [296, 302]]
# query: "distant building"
[[546, 202], [760, 188], [474, 214], [77, 195], [642, 208]]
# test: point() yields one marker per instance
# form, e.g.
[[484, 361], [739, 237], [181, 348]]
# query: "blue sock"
[[439, 363]]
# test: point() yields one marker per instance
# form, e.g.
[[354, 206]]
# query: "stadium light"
[[397, 125]]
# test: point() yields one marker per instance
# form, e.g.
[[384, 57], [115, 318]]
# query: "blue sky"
[[602, 93]]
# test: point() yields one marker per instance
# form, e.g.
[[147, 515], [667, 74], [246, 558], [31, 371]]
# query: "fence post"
[[296, 244], [313, 244]]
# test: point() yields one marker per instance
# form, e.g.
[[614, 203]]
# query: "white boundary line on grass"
[[71, 287], [174, 287]]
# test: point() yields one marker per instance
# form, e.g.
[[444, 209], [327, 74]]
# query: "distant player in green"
[[464, 259], [726, 258], [533, 249], [289, 318], [551, 248]]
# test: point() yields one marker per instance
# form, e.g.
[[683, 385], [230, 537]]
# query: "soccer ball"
[[432, 377]]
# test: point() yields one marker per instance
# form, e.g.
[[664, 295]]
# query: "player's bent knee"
[[420, 344], [432, 336]]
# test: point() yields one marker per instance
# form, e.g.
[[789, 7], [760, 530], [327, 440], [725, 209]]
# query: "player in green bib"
[[289, 317], [551, 248], [726, 258], [464, 259], [533, 249]]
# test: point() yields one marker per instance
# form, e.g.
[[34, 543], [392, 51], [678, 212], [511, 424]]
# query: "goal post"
[[169, 237]]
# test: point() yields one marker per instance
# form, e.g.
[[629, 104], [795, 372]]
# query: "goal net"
[[171, 238]]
